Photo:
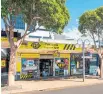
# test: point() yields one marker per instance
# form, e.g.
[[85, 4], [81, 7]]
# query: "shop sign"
[[3, 63], [45, 45], [30, 55], [52, 46]]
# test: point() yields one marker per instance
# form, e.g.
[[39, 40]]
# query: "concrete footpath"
[[25, 86]]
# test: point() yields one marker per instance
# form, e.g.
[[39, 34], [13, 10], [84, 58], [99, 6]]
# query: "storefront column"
[[38, 68], [18, 66], [54, 67]]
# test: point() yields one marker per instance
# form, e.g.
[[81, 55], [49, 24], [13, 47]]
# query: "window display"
[[30, 67], [61, 66], [94, 65], [91, 65], [76, 64]]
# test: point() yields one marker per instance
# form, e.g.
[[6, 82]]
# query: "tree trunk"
[[101, 68], [94, 42], [11, 74]]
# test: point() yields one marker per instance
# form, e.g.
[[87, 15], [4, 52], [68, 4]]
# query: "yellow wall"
[[20, 56], [18, 63]]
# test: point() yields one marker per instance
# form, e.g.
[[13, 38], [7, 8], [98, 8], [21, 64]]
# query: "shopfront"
[[38, 60], [39, 66], [91, 64]]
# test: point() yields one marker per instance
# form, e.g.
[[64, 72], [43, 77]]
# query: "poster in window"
[[29, 64], [61, 66]]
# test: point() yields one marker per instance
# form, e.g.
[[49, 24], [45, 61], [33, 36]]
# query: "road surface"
[[95, 89]]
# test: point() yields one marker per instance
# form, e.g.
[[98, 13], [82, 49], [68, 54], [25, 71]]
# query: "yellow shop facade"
[[43, 59]]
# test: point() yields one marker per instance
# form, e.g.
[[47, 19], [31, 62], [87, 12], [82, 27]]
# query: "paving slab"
[[50, 85]]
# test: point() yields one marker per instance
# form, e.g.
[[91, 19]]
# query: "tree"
[[91, 23], [49, 13]]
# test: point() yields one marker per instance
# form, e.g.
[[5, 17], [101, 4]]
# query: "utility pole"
[[83, 50]]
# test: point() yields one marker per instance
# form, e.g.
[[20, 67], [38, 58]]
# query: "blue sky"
[[78, 7]]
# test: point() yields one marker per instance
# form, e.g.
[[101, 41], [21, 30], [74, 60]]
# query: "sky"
[[77, 7]]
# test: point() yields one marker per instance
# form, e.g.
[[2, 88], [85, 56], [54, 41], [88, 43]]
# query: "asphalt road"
[[95, 89]]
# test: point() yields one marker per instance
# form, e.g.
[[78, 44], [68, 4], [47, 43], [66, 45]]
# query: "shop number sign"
[[3, 63]]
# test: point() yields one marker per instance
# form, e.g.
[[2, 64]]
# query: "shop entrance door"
[[46, 67]]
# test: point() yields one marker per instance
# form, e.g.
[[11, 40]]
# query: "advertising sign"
[[3, 63], [93, 70], [29, 64], [61, 66], [52, 46], [45, 45], [93, 65]]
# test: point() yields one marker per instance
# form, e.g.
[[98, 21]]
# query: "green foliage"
[[99, 12], [91, 21], [52, 13], [88, 22]]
